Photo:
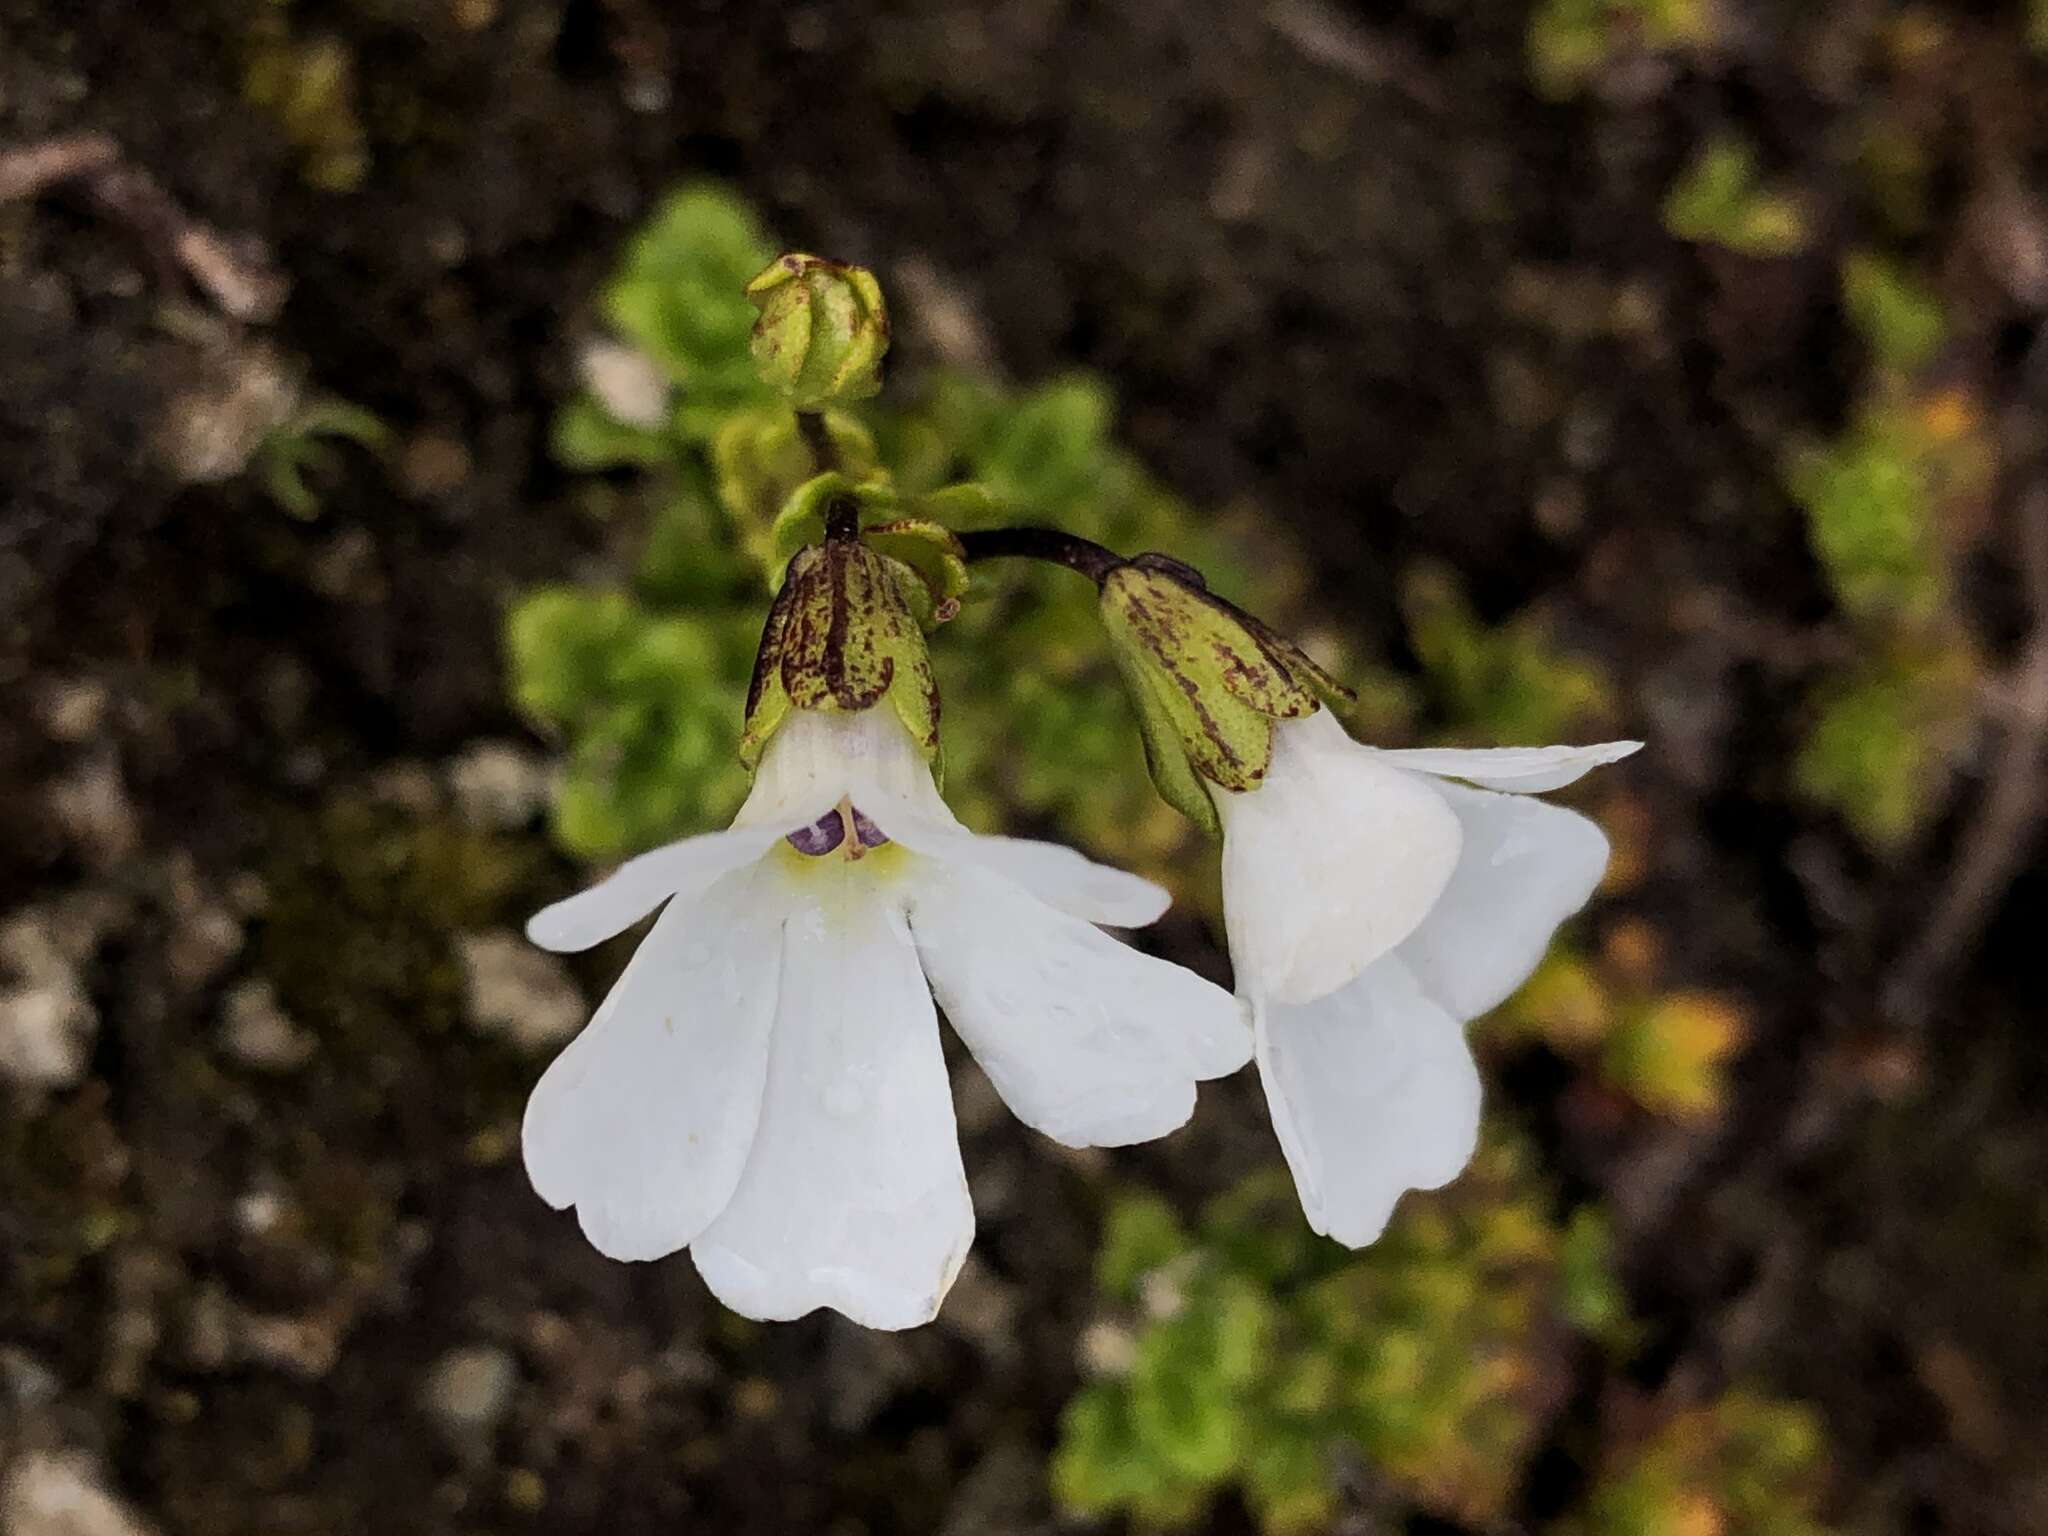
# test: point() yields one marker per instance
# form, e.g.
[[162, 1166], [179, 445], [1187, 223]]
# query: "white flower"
[[1372, 909], [765, 1084]]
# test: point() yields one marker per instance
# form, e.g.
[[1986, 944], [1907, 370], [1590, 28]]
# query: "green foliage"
[[1869, 498], [1571, 42], [308, 85], [305, 444], [1496, 684], [680, 297], [1878, 501], [1720, 199], [1590, 1294], [648, 703], [2037, 26], [1742, 1465], [1260, 1354], [1668, 1051], [1897, 314], [1881, 740]]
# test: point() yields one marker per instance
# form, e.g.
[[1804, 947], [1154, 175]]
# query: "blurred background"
[[381, 489]]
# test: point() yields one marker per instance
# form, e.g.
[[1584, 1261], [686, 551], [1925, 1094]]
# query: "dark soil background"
[[1340, 261]]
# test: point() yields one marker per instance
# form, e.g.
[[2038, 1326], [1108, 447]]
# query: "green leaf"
[[1898, 315], [1720, 200], [1140, 1234], [584, 437]]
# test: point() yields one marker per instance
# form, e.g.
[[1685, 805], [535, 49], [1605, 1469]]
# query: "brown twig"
[[1996, 843], [235, 274], [26, 172]]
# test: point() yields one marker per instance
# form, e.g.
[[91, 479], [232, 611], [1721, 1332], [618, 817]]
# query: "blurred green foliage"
[[1881, 500], [1497, 683], [1897, 314], [1571, 42], [1742, 1465], [1721, 199], [1247, 1354], [306, 444], [1867, 498], [308, 85], [1882, 737], [1260, 1355], [1667, 1051]]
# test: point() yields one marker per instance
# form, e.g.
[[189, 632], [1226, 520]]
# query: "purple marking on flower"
[[870, 835], [821, 836]]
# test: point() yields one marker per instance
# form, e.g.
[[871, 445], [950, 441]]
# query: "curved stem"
[[1030, 543]]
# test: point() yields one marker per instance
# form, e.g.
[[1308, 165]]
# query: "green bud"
[[1208, 681], [822, 330], [843, 634]]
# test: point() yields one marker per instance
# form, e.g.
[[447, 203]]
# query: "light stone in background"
[[499, 786], [516, 991], [258, 1033], [47, 1019], [61, 1493]]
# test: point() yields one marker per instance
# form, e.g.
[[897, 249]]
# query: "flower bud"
[[1207, 679], [822, 330]]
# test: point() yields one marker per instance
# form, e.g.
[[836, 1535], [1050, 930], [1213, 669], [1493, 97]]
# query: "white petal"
[[1329, 863], [644, 1122], [1373, 1093], [816, 756], [1085, 1038], [870, 758], [853, 1197], [1056, 875], [641, 884], [1517, 770], [1526, 867]]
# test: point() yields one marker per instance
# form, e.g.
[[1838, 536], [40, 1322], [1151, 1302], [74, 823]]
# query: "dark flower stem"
[[1077, 554]]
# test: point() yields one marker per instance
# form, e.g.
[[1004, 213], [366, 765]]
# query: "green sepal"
[[1306, 671], [822, 331], [768, 702], [1205, 643], [968, 504], [1204, 670], [929, 552], [842, 634], [801, 522], [1208, 680], [1165, 756], [933, 553]]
